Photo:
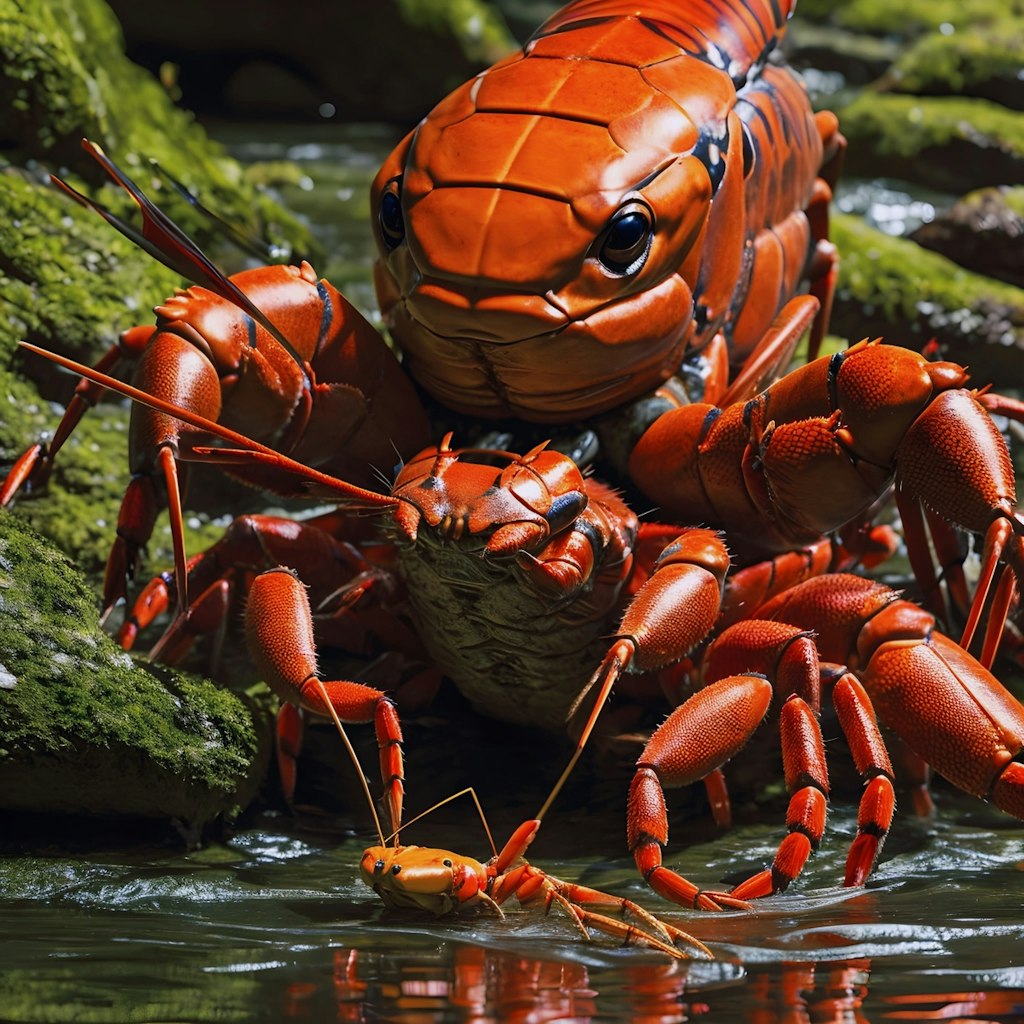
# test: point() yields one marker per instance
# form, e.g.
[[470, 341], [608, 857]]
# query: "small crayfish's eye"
[[392, 223], [627, 240], [446, 862], [395, 868]]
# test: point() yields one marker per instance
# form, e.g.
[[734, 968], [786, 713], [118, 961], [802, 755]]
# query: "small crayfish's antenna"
[[447, 800], [355, 761]]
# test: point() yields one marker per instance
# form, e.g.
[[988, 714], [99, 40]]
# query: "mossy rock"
[[909, 19], [858, 57], [71, 287], [82, 727], [64, 77], [984, 232], [86, 729], [947, 143], [891, 287], [983, 62]]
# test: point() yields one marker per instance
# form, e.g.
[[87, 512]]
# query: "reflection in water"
[[469, 983]]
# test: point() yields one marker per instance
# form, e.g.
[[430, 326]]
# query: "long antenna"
[[355, 760], [252, 451], [603, 679], [168, 244], [447, 800]]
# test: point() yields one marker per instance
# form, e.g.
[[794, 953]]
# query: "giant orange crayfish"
[[634, 192]]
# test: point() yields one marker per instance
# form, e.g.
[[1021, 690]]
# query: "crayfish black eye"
[[396, 868], [379, 866], [392, 222], [627, 240], [446, 862]]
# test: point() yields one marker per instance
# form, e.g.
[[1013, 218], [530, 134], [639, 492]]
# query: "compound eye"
[[392, 222], [446, 862], [627, 240]]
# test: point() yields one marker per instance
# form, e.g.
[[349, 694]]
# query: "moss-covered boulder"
[[85, 729], [947, 143], [984, 232], [909, 19], [64, 77], [82, 727], [893, 288], [983, 62]]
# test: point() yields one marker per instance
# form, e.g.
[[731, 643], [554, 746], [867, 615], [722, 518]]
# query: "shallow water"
[[276, 924]]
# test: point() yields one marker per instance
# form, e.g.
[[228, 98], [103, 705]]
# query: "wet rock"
[[84, 729], [87, 730], [858, 57], [984, 232], [69, 282], [891, 287], [69, 285], [64, 76]]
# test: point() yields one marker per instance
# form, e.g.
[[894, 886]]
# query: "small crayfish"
[[441, 882]]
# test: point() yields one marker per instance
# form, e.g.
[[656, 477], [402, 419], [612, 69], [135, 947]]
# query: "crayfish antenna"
[[319, 484], [355, 761], [603, 680], [447, 800], [257, 248], [169, 245]]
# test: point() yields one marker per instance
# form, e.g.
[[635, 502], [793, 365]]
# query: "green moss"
[[1013, 197], [893, 288], [911, 18], [64, 76], [982, 62], [69, 282], [149, 740], [949, 143], [69, 287], [479, 29], [901, 275]]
